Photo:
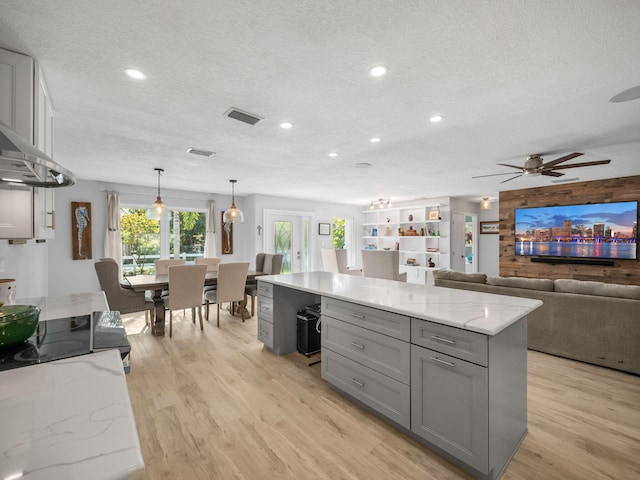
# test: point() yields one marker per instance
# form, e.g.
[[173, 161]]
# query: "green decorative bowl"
[[17, 323]]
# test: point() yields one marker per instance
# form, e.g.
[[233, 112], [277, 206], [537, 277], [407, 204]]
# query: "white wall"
[[27, 265], [488, 244]]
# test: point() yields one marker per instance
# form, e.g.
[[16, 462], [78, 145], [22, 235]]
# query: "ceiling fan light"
[[485, 204]]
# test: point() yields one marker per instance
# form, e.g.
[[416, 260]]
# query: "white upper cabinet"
[[26, 108]]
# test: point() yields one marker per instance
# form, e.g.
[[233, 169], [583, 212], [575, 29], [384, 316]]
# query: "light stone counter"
[[68, 419], [64, 306], [474, 311]]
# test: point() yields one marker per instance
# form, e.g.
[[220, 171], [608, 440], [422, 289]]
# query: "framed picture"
[[81, 230], [489, 227], [324, 229], [434, 214], [227, 236]]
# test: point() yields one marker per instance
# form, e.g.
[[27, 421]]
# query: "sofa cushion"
[[460, 276], [542, 284], [565, 285]]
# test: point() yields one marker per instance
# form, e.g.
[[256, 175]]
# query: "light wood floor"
[[215, 405]]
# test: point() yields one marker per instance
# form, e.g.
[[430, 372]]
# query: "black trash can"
[[308, 323]]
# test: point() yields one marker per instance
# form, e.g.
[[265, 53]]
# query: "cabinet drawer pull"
[[449, 364], [265, 308], [358, 315], [357, 345], [444, 340], [361, 385], [263, 289]]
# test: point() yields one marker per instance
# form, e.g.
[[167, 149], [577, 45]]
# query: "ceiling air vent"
[[245, 117], [565, 180], [200, 151]]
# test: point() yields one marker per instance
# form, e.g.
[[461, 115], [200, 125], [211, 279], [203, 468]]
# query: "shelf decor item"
[[325, 229], [374, 232], [410, 218], [387, 231], [434, 214]]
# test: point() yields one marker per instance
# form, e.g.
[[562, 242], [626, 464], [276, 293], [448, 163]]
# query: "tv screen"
[[594, 230]]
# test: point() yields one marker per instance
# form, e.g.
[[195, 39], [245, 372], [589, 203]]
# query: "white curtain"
[[210, 241], [113, 241]]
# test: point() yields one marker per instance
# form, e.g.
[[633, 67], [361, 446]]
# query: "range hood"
[[22, 163]]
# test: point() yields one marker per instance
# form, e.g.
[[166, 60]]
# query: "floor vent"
[[245, 117], [199, 151]]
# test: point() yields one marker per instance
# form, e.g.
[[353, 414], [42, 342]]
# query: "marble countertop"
[[64, 306], [68, 419], [475, 311]]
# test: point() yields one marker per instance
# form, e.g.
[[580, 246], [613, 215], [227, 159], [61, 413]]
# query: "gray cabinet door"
[[449, 405]]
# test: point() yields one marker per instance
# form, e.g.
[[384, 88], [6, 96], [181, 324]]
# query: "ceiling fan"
[[534, 166]]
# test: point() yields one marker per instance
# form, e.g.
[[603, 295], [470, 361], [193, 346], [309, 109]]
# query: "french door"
[[287, 233]]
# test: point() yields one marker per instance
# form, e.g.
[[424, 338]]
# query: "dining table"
[[159, 283]]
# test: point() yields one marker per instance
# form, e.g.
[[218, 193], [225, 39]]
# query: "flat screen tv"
[[594, 230]]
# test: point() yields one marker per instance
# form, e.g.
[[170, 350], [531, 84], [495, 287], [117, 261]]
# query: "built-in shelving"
[[420, 233]]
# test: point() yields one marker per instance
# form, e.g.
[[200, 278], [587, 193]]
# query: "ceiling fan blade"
[[550, 164], [494, 174], [510, 166], [550, 173], [508, 179], [583, 164]]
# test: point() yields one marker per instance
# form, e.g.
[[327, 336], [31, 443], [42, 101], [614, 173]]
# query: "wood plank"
[[216, 405]]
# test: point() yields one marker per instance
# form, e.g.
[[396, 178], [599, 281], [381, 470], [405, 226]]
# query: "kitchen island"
[[68, 418], [448, 367]]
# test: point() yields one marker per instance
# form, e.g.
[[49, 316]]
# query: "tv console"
[[577, 261]]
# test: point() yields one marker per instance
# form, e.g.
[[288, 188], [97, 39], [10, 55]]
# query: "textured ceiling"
[[511, 78]]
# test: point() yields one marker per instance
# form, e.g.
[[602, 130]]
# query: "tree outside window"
[[140, 241], [338, 232]]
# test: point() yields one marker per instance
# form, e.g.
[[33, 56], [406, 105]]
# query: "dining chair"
[[121, 297], [185, 291], [162, 265], [335, 260], [382, 264], [211, 263], [267, 264], [232, 278]]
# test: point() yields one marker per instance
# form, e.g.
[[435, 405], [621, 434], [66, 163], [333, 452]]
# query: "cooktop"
[[68, 337]]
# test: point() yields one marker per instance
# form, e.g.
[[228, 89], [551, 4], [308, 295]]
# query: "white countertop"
[[475, 311], [70, 420], [65, 306]]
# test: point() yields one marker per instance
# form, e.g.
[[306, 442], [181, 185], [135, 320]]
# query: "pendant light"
[[233, 214], [485, 204], [158, 210]]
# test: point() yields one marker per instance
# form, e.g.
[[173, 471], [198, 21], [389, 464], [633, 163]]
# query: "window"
[[342, 236], [144, 240]]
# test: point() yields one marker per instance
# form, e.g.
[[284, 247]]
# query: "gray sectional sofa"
[[593, 322]]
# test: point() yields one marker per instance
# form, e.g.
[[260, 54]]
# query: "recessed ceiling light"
[[333, 154], [436, 118], [378, 71], [286, 125], [375, 140], [363, 165], [137, 74]]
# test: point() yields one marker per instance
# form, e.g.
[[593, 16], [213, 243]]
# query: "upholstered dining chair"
[[162, 265], [268, 264], [185, 291], [211, 263], [232, 278], [335, 260], [119, 296], [382, 264]]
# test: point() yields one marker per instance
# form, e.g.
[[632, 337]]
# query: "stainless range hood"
[[22, 163]]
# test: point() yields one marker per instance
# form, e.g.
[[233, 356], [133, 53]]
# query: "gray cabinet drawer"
[[392, 324], [384, 354], [470, 346], [265, 332], [383, 394], [265, 308], [265, 289]]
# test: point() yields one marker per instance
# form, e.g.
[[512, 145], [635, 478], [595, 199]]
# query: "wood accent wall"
[[626, 272]]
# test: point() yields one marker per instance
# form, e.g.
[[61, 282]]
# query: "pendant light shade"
[[233, 214], [158, 210], [485, 204]]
